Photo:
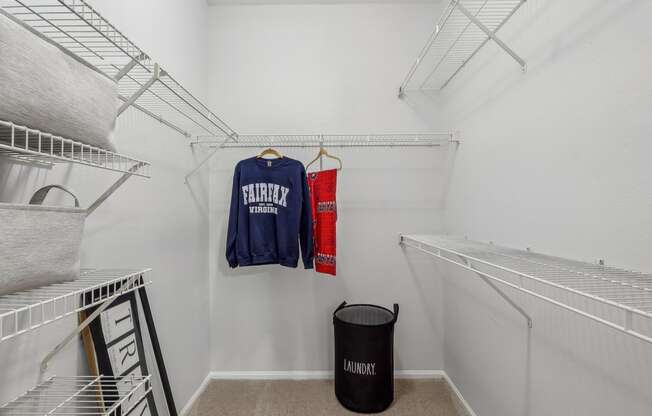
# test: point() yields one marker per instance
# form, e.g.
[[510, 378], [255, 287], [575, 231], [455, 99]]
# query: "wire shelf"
[[463, 29], [620, 299], [77, 28], [82, 395], [330, 140], [24, 311], [34, 146]]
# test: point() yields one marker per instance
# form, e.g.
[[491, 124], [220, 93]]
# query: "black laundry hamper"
[[364, 356]]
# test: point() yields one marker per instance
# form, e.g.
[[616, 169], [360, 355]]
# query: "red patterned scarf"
[[323, 188]]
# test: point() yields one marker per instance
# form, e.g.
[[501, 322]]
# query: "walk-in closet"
[[325, 207]]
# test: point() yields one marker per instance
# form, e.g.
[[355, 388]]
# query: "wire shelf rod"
[[331, 140], [629, 301], [41, 16], [586, 274], [420, 247], [168, 102], [448, 51], [82, 395], [26, 143], [433, 139], [76, 27], [463, 29], [566, 287], [483, 43], [24, 311]]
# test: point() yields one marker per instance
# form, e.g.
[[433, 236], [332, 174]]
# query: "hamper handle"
[[39, 196], [343, 304], [395, 312]]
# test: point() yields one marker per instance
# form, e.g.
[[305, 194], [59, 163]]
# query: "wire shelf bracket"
[[143, 88], [498, 290], [617, 298], [432, 139], [83, 33], [461, 32], [81, 395], [125, 70]]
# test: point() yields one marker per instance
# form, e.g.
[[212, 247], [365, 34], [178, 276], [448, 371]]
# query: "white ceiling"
[[218, 2]]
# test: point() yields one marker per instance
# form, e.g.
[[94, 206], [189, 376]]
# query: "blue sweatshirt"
[[270, 214]]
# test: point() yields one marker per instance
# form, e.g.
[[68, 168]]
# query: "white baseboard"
[[270, 375], [417, 374], [310, 375], [317, 375], [461, 401], [195, 396]]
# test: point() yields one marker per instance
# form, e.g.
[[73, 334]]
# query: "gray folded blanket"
[[44, 88]]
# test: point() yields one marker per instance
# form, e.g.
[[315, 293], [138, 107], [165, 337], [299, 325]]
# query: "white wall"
[[556, 159], [158, 222], [326, 69]]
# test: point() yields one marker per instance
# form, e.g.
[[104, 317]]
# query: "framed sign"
[[114, 347]]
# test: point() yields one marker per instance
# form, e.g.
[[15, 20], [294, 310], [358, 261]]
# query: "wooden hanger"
[[270, 151], [324, 152]]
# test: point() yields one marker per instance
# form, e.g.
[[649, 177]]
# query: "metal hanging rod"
[[433, 139], [617, 298], [463, 29], [81, 395], [79, 30], [330, 140]]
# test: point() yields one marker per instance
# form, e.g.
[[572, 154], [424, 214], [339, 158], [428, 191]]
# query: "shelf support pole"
[[490, 34], [157, 117], [113, 188], [139, 281], [499, 291], [131, 100], [125, 70], [74, 333], [210, 156], [469, 266]]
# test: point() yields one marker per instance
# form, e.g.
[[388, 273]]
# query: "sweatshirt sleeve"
[[305, 233], [232, 233]]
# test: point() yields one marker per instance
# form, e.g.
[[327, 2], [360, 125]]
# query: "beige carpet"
[[314, 398]]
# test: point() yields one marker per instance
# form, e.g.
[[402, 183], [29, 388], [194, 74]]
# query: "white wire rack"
[[320, 140], [24, 311], [77, 28], [463, 29], [34, 146], [82, 395], [620, 299], [330, 140]]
